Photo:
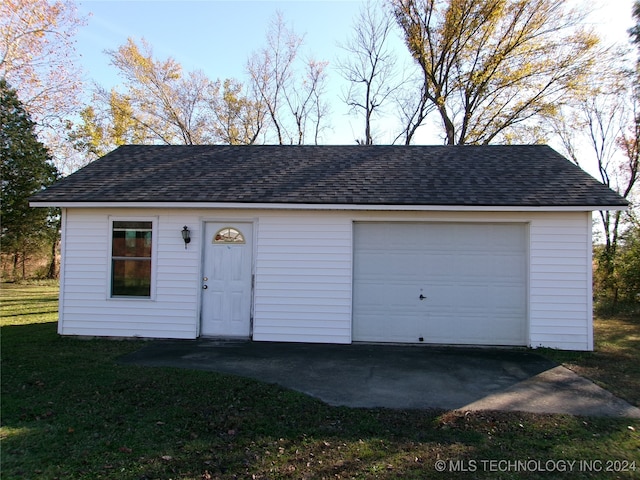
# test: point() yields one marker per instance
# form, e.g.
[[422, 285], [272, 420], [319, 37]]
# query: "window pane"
[[228, 235], [132, 225], [131, 278], [131, 242], [131, 259]]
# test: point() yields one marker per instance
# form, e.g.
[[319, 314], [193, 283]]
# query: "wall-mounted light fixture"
[[186, 236]]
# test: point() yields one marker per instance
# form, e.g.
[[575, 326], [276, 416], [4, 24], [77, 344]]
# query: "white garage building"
[[465, 245]]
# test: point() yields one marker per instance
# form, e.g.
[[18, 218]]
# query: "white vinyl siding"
[[86, 307], [560, 291], [303, 279], [303, 266]]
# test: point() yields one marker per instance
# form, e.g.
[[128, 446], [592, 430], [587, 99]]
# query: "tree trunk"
[[448, 125], [16, 257], [24, 266], [53, 264]]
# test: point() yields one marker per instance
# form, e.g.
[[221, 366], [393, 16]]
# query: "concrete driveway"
[[398, 376]]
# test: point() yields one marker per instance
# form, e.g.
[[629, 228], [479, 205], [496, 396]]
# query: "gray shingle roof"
[[527, 176]]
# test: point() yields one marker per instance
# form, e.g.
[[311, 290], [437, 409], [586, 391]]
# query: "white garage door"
[[440, 283]]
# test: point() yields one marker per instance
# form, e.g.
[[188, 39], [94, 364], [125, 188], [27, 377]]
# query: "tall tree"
[[412, 109], [369, 66], [165, 102], [37, 57], [37, 53], [293, 101], [271, 72], [305, 103], [608, 117], [635, 30], [490, 65], [238, 119], [106, 124], [634, 33], [89, 135], [26, 168], [604, 128], [159, 104], [615, 120]]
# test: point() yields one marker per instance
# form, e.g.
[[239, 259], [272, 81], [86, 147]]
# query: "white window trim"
[[154, 257]]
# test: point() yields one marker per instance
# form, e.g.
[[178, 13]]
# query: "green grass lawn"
[[70, 411]]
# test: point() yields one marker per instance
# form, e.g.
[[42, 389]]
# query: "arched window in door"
[[228, 235]]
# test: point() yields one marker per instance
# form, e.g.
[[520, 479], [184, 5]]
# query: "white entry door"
[[227, 280]]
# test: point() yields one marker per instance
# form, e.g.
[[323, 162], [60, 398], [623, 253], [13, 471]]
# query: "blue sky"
[[218, 36], [215, 36]]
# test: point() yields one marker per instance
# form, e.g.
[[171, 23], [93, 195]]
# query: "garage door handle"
[[422, 297]]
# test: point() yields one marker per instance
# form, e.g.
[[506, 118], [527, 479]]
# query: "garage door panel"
[[472, 275], [386, 295], [470, 329], [471, 265], [473, 332], [436, 265], [471, 297], [406, 262], [388, 329], [510, 297], [508, 267]]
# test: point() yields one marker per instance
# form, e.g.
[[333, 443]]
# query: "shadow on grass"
[[14, 336], [19, 302], [30, 313]]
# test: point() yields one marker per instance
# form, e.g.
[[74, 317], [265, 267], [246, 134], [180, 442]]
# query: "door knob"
[[204, 287], [422, 297]]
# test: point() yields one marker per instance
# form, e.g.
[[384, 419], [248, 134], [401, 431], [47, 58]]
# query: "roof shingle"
[[513, 175]]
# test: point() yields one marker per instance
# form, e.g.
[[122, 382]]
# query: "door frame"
[[203, 240]]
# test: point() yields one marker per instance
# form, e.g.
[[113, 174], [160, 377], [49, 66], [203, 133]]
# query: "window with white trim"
[[131, 245]]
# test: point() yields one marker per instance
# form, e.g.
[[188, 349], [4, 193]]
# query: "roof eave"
[[337, 206]]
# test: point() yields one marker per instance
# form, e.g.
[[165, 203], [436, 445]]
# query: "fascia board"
[[310, 206]]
